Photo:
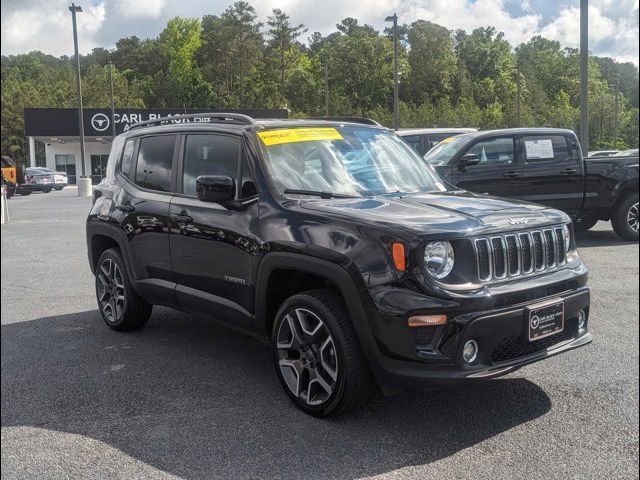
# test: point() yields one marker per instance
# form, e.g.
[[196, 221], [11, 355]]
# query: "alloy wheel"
[[307, 356], [111, 290], [632, 217]]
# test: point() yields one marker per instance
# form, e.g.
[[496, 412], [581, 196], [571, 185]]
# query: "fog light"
[[582, 319], [470, 351]]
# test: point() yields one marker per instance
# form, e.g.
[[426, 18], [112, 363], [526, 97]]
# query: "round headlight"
[[567, 238], [439, 259]]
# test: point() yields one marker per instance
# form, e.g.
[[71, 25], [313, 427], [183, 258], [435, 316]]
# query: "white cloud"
[[617, 38], [139, 8], [456, 14], [45, 24], [47, 27]]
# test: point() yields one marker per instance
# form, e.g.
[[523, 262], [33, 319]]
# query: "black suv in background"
[[335, 243], [544, 165]]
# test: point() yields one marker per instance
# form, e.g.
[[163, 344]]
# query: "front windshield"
[[347, 160], [445, 150]]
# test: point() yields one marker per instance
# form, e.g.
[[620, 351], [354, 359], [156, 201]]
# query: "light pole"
[[584, 75], [113, 108], [84, 183], [517, 92], [326, 84], [615, 116], [396, 114]]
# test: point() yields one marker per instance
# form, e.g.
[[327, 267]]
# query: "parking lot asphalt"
[[185, 397]]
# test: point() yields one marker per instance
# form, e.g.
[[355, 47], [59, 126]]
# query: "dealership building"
[[57, 129]]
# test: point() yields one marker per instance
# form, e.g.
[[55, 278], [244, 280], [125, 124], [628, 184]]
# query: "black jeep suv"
[[337, 243]]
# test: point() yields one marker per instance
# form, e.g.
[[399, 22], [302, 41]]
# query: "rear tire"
[[317, 356], [121, 308], [625, 220]]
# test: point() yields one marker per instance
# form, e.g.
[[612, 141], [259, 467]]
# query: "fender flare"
[[336, 274], [629, 185], [106, 230]]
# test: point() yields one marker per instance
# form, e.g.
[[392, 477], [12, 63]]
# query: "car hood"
[[456, 213]]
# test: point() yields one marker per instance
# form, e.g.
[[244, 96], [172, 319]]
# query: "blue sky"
[[45, 24]]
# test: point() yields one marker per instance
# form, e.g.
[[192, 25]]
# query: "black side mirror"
[[215, 188], [467, 160]]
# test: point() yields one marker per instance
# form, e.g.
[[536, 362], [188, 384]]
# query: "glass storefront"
[[98, 167], [67, 163]]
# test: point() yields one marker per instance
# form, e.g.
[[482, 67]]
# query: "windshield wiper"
[[315, 193]]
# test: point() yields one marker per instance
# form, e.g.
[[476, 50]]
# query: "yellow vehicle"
[[13, 178]]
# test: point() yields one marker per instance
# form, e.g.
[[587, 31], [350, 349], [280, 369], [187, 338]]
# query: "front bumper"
[[433, 355]]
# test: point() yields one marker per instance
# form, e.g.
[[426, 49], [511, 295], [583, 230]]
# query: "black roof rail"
[[214, 117], [366, 121]]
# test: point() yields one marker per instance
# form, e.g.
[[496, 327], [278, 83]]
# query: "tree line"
[[232, 60]]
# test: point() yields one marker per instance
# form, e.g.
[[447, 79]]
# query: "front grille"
[[518, 346], [513, 255]]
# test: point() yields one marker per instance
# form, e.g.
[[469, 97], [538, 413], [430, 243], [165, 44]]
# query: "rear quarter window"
[[114, 154], [127, 157]]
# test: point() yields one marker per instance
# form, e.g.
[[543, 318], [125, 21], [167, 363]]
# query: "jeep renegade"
[[338, 244]]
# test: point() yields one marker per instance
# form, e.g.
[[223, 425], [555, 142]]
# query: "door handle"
[[181, 218], [568, 171], [512, 174], [125, 207]]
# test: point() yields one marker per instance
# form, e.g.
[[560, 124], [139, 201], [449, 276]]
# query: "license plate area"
[[545, 319]]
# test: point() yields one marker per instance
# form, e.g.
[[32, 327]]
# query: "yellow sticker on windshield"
[[290, 135], [447, 140]]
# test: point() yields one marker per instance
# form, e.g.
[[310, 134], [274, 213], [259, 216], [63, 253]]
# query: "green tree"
[[282, 41], [432, 62]]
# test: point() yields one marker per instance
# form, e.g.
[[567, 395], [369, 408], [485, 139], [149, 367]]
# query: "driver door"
[[211, 247]]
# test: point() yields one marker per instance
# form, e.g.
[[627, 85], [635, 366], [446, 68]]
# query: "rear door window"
[[546, 148], [155, 159]]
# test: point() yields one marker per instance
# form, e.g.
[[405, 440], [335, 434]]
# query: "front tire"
[[585, 224], [317, 357], [121, 308], [626, 221]]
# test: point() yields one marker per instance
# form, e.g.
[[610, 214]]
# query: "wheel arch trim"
[[337, 275], [95, 229]]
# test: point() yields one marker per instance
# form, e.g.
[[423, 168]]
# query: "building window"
[[98, 167], [67, 163]]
